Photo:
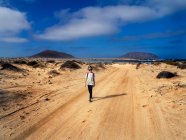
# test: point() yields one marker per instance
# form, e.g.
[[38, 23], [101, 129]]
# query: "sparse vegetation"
[[156, 63], [70, 65], [57, 63], [166, 74], [53, 73], [79, 62], [138, 65], [8, 66], [182, 66], [51, 61], [98, 66], [20, 62], [35, 64], [174, 63]]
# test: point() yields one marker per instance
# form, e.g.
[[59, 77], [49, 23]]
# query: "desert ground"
[[50, 102]]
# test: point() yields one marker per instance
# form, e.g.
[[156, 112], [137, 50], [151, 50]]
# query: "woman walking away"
[[90, 81]]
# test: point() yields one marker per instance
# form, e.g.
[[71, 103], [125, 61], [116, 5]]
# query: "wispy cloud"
[[13, 40], [95, 21], [12, 22], [157, 35]]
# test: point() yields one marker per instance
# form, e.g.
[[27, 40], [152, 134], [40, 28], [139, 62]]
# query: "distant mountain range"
[[57, 54], [52, 54], [139, 55]]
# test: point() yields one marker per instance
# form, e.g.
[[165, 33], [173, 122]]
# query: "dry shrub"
[[98, 66], [54, 73], [35, 64], [156, 63], [70, 64], [21, 62], [8, 66], [78, 62], [166, 74], [51, 61], [182, 66], [174, 63]]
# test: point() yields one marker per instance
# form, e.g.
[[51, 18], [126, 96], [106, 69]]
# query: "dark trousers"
[[90, 91]]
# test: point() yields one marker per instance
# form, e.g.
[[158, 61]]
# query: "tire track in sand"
[[53, 121]]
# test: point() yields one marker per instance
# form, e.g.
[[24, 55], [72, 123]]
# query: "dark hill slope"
[[139, 55], [52, 54]]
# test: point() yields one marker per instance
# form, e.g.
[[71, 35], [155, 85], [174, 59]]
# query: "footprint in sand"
[[89, 111], [144, 106], [83, 121]]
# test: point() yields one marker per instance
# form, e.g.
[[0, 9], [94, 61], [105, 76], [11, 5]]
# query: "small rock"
[[47, 99], [144, 105], [22, 117]]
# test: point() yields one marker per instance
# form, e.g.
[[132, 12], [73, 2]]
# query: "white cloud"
[[94, 21], [78, 28], [12, 22]]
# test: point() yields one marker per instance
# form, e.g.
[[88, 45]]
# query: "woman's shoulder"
[[90, 72]]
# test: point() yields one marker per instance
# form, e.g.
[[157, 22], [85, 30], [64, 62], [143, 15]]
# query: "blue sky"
[[93, 28]]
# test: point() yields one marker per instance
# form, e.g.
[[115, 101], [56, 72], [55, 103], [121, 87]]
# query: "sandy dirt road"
[[119, 111]]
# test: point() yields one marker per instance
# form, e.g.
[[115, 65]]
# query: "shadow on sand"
[[109, 96]]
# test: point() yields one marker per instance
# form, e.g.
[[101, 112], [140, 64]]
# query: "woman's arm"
[[86, 79], [94, 80]]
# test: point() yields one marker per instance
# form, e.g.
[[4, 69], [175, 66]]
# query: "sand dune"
[[128, 104]]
